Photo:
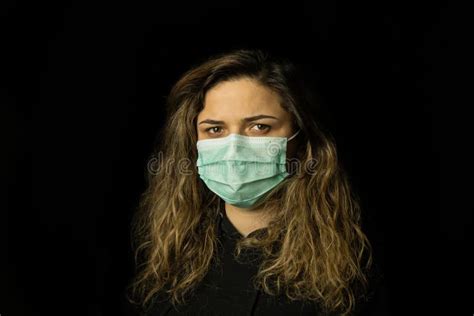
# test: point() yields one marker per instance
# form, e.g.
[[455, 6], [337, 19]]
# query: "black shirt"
[[227, 288]]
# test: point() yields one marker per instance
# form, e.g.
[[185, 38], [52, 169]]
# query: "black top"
[[227, 289]]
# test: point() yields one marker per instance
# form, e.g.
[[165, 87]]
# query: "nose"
[[237, 129], [231, 151]]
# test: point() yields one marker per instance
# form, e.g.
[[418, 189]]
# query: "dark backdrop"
[[82, 92]]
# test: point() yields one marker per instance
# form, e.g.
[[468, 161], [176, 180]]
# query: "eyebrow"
[[246, 119]]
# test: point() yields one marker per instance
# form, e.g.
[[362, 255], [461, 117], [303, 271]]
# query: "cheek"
[[199, 135]]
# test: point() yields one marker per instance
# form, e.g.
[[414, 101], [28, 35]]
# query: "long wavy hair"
[[314, 247]]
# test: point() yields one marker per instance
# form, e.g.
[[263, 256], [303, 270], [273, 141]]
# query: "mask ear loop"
[[294, 135]]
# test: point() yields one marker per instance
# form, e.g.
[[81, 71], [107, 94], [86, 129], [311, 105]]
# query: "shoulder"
[[159, 305]]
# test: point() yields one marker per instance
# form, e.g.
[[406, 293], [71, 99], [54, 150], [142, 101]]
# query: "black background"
[[82, 92]]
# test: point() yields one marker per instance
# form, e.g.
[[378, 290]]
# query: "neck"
[[246, 220]]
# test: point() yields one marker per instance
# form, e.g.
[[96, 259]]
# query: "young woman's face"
[[244, 107]]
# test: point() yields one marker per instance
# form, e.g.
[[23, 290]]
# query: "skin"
[[230, 102]]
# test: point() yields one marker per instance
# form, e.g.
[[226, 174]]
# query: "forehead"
[[241, 97]]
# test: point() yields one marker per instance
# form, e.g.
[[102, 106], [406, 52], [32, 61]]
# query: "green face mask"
[[241, 169]]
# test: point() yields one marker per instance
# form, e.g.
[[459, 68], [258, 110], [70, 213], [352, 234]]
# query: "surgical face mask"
[[242, 169]]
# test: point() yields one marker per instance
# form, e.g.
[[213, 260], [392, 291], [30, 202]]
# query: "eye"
[[262, 127], [212, 130]]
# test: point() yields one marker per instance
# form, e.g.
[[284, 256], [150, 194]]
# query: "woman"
[[248, 211]]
